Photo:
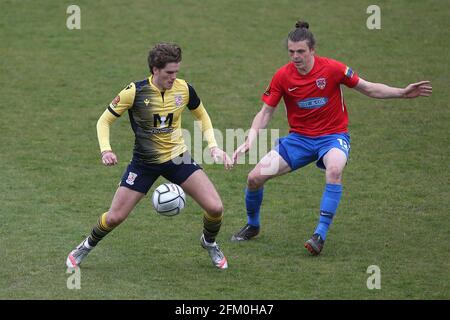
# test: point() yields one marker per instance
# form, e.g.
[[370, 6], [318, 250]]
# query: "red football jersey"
[[314, 102]]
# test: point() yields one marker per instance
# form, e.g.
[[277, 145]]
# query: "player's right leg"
[[270, 166], [135, 183], [122, 204]]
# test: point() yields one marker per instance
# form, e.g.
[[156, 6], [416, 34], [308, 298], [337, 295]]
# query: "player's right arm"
[[119, 105], [271, 97], [260, 121]]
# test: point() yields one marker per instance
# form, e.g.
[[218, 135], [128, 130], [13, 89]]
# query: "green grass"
[[55, 83]]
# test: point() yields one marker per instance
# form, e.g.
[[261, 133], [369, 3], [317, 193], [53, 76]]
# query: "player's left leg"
[[186, 173], [334, 161], [201, 189]]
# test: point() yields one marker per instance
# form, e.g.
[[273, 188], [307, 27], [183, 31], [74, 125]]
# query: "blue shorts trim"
[[299, 150], [140, 176]]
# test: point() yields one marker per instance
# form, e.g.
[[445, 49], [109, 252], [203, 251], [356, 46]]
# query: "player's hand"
[[418, 89], [242, 149], [109, 158], [218, 154]]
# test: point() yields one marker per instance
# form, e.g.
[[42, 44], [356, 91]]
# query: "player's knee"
[[114, 219], [334, 174], [215, 209], [254, 181]]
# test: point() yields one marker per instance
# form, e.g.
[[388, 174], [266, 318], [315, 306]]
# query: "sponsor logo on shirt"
[[159, 130], [312, 103], [161, 124], [267, 92], [164, 121]]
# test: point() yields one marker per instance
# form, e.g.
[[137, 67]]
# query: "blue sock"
[[253, 200], [328, 206]]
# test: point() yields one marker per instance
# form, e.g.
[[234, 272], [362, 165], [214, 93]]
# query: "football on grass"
[[168, 199]]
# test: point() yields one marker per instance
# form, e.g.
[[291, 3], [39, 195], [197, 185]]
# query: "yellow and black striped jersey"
[[155, 118]]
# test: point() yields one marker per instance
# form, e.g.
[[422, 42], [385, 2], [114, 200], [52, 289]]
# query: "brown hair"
[[162, 54], [301, 32]]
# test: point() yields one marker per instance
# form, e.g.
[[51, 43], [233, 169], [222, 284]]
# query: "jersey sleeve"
[[194, 100], [206, 126], [274, 91], [123, 101], [345, 74]]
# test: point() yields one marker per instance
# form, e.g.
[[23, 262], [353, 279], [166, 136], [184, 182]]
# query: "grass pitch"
[[56, 82]]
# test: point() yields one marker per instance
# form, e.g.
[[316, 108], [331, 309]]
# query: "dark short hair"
[[162, 54], [301, 32]]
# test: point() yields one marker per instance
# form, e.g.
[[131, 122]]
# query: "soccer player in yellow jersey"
[[154, 106]]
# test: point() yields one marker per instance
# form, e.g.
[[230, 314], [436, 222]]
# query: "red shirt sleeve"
[[274, 91], [346, 75]]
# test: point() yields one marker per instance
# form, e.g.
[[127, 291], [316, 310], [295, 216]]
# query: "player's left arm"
[[382, 91], [199, 112]]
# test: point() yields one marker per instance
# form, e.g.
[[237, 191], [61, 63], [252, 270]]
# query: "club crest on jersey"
[[178, 100], [321, 83], [131, 177]]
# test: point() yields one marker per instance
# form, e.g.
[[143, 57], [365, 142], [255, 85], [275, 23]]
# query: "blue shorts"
[[298, 150], [140, 176]]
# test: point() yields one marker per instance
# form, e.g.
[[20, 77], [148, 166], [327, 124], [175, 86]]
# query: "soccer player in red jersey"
[[310, 86]]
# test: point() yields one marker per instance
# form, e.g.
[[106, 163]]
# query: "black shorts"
[[140, 176]]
